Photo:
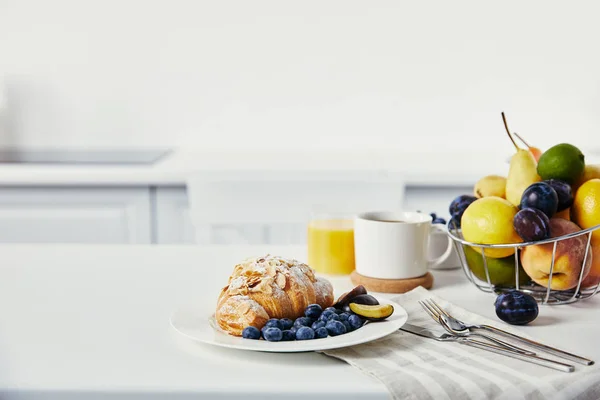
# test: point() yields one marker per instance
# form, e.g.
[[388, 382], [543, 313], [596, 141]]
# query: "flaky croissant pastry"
[[269, 287]]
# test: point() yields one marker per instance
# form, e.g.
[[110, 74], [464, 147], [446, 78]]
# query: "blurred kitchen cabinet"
[[173, 224], [274, 207], [162, 214], [75, 215]]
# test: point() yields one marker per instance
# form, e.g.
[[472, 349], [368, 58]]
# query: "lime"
[[563, 161]]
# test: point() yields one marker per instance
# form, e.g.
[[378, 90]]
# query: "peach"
[[593, 277], [537, 259], [564, 214]]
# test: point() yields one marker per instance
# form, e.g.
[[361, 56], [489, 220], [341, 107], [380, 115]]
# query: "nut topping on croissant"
[[269, 287]]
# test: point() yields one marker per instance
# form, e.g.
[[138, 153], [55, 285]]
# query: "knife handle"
[[551, 350], [501, 343], [519, 356]]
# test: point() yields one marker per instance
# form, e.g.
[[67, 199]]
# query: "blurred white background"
[[430, 75]]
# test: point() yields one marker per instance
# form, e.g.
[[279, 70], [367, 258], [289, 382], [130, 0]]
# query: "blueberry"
[[439, 221], [303, 321], [305, 333], [459, 205], [317, 324], [335, 328], [251, 332], [293, 329], [344, 316], [329, 316], [321, 333], [433, 216], [262, 330], [332, 309], [355, 321], [326, 315], [347, 325], [274, 323], [540, 196], [313, 311], [516, 308], [272, 334], [288, 335], [286, 323]]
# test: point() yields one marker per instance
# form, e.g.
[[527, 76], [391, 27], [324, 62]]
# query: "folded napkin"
[[413, 367]]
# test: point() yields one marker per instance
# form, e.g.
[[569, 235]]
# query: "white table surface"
[[79, 322]]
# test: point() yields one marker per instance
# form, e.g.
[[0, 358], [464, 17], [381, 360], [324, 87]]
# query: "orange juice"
[[331, 246]]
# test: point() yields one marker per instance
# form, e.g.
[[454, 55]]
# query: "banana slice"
[[372, 313]]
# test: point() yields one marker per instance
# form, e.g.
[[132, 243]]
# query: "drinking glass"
[[331, 243]]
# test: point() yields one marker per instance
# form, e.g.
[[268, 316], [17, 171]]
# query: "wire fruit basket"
[[543, 294]]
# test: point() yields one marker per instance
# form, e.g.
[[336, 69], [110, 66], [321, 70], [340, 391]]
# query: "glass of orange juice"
[[331, 243]]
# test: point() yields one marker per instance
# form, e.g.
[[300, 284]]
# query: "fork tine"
[[432, 313], [431, 307], [428, 311], [438, 308]]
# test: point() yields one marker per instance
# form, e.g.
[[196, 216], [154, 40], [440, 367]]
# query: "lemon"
[[563, 161], [585, 210], [489, 220]]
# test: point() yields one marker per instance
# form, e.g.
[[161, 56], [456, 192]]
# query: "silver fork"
[[439, 316], [458, 326], [489, 347]]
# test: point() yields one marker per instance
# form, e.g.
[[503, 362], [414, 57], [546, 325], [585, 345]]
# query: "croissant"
[[269, 287]]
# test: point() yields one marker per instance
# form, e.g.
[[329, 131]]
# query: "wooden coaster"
[[391, 285]]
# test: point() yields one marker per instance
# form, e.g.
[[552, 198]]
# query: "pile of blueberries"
[[315, 324]]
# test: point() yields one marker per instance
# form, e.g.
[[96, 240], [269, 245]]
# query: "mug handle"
[[440, 230]]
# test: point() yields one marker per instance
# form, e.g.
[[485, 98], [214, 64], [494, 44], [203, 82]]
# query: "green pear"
[[501, 270], [522, 172]]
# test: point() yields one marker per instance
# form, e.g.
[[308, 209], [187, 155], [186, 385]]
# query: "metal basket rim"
[[517, 245]]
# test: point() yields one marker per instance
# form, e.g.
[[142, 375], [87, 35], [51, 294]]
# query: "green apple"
[[502, 270]]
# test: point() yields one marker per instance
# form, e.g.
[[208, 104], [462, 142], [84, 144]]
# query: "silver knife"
[[445, 337], [427, 333]]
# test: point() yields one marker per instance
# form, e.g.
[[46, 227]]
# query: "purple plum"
[[459, 205], [564, 192], [532, 224], [540, 196]]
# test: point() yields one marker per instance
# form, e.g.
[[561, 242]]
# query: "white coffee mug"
[[394, 245], [437, 246]]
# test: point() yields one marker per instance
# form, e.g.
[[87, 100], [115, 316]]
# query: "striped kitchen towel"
[[413, 367]]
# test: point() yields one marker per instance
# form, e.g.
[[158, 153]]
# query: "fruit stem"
[[521, 139], [508, 131]]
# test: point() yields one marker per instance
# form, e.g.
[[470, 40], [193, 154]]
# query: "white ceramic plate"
[[198, 323]]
